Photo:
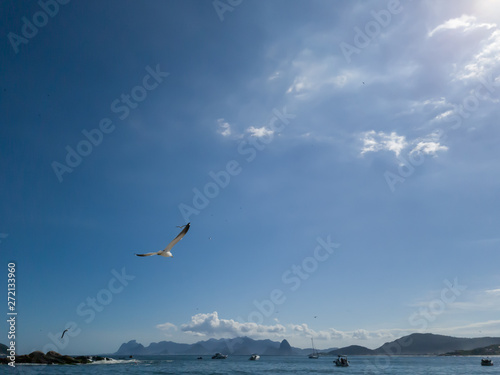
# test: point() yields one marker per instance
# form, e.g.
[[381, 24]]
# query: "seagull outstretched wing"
[[169, 247], [148, 254]]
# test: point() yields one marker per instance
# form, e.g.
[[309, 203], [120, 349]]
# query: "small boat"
[[199, 358], [314, 354], [254, 357], [486, 362], [341, 361], [219, 356]]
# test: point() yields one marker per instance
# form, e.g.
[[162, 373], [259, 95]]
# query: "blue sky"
[[355, 152]]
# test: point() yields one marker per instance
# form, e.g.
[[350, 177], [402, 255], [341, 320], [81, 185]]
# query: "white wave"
[[111, 361]]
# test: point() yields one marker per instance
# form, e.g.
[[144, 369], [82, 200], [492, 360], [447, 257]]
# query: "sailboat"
[[314, 354]]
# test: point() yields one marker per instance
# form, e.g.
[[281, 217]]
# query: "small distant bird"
[[363, 83], [166, 251], [66, 330], [315, 317]]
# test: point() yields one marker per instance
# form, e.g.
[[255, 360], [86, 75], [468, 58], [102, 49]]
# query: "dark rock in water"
[[56, 358], [4, 349], [35, 357], [50, 358], [83, 359]]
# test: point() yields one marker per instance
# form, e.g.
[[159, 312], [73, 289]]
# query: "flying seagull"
[[66, 330], [166, 251]]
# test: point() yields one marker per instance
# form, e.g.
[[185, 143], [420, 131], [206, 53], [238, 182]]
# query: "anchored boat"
[[341, 361], [486, 362], [314, 354], [219, 356]]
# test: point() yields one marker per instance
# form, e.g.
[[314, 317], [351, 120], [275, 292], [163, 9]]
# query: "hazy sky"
[[338, 162]]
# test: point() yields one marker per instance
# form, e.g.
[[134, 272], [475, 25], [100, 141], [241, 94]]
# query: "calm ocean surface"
[[270, 366]]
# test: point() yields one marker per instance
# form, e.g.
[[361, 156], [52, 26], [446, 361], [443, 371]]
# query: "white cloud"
[[211, 325], [464, 22], [428, 145], [374, 142], [167, 327], [428, 148], [444, 115], [224, 127], [259, 132], [313, 75], [335, 334], [301, 328], [361, 334], [331, 334], [427, 106], [485, 61], [304, 330]]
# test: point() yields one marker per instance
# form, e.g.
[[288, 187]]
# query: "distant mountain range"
[[414, 344], [236, 346], [420, 344]]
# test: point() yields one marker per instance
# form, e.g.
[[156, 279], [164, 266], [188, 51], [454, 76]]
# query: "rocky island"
[[52, 358]]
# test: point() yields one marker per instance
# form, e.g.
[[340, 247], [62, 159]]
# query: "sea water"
[[269, 365]]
